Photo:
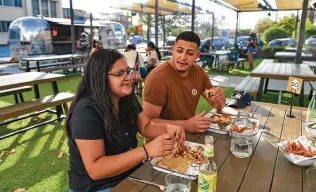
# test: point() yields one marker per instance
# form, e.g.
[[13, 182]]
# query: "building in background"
[[13, 9], [79, 15]]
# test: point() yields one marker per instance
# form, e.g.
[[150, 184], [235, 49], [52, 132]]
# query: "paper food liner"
[[297, 158], [248, 133]]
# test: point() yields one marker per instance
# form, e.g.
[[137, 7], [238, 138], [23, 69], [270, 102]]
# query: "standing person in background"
[[207, 60], [98, 45], [251, 48], [83, 43], [154, 56], [134, 61], [134, 40], [133, 57]]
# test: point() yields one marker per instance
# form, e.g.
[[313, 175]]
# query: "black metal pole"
[[213, 26], [298, 58], [164, 30], [193, 15], [73, 38], [91, 30], [296, 22], [236, 32], [156, 23]]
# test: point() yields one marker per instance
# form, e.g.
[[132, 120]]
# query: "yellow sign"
[[294, 85]]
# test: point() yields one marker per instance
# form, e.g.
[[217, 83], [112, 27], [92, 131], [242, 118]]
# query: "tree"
[[287, 23], [274, 33], [263, 24], [131, 29], [244, 32], [169, 23]]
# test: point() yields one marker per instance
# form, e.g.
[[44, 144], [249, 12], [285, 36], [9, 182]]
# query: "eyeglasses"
[[122, 73]]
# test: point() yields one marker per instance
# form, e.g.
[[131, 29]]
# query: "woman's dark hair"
[[189, 36], [130, 47], [95, 86], [152, 45]]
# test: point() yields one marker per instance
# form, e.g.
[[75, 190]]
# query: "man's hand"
[[218, 98], [198, 123]]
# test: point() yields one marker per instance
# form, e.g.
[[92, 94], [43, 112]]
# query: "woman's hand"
[[161, 146], [177, 133]]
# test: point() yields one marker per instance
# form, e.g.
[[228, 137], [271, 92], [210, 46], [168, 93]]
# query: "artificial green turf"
[[35, 164]]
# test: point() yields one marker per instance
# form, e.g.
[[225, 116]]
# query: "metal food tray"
[[174, 172]]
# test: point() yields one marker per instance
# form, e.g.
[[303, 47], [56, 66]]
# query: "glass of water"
[[241, 146], [177, 184], [311, 178]]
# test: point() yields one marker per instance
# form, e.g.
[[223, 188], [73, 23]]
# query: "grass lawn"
[[38, 159], [235, 72]]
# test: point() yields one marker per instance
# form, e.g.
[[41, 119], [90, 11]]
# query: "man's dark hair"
[[189, 36]]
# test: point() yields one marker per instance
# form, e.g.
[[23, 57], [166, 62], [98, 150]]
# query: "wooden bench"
[[52, 64], [249, 84], [235, 64], [57, 68], [313, 88], [16, 91], [36, 105]]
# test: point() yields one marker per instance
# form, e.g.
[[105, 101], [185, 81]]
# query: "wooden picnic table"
[[270, 70], [31, 78], [266, 170], [281, 56], [216, 54], [39, 58]]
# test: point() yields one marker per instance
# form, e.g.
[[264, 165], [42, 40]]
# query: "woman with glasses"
[[102, 125]]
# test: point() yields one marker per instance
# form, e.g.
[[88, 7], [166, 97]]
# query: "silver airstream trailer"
[[33, 36]]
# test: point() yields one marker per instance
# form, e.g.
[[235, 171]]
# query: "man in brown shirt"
[[172, 90]]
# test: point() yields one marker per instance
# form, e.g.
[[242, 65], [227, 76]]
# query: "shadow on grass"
[[35, 161]]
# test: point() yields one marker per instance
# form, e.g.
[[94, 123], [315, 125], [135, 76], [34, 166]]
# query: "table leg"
[[36, 91], [38, 67], [27, 66], [260, 89], [266, 86], [217, 62], [59, 108], [301, 99]]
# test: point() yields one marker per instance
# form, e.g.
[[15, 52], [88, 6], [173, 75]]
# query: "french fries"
[[297, 148]]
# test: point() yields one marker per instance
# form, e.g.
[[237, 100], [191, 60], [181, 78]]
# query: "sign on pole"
[[294, 85]]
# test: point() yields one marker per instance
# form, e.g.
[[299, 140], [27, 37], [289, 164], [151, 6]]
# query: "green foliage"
[[266, 48], [244, 32], [132, 29], [263, 24], [276, 49], [308, 27], [274, 33], [287, 23], [310, 31]]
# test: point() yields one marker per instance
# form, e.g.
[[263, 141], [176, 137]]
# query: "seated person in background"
[[207, 60], [154, 56], [98, 45], [83, 44], [102, 125], [172, 91]]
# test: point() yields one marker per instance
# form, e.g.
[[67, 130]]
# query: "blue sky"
[[226, 16]]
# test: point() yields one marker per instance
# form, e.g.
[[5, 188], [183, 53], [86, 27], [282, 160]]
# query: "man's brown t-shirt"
[[177, 95]]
